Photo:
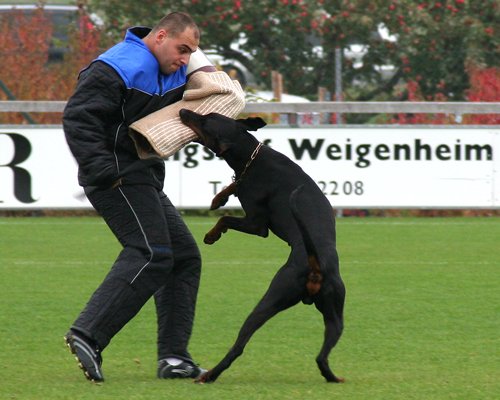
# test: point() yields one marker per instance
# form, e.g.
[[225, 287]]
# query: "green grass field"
[[422, 314]]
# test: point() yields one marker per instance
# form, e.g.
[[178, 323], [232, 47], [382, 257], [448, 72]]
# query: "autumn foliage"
[[26, 72], [445, 51], [484, 87]]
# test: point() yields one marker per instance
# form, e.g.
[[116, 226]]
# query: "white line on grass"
[[423, 222], [364, 221], [276, 262], [53, 262], [50, 223]]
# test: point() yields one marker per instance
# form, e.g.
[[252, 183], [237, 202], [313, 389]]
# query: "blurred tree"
[[446, 50], [438, 40], [435, 40], [26, 72]]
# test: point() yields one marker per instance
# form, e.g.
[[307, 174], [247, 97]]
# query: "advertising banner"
[[386, 167]]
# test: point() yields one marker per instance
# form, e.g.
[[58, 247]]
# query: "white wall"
[[385, 167]]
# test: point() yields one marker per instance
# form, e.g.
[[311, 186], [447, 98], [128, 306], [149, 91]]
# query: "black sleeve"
[[92, 112]]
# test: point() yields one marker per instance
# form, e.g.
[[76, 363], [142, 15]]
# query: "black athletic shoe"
[[88, 355], [183, 370]]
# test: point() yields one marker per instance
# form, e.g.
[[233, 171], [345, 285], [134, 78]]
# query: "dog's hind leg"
[[284, 292], [332, 310], [255, 320], [332, 335]]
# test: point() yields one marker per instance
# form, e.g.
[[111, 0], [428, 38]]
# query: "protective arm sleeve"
[[199, 62]]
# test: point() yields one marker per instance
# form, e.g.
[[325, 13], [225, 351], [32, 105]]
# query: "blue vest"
[[138, 67]]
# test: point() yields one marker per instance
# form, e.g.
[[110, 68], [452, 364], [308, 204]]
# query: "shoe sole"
[[69, 343]]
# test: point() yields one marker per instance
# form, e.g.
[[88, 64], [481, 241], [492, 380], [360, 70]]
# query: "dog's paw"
[[204, 378], [218, 201], [336, 379], [211, 237]]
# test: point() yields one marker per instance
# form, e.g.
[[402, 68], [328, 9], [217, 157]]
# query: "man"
[[160, 257]]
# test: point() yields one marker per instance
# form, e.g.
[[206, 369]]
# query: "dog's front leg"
[[238, 224], [222, 197], [216, 232]]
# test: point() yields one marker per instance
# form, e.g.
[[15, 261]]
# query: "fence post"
[[277, 85], [324, 95], [338, 80]]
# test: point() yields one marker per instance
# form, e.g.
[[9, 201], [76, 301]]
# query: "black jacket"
[[121, 86]]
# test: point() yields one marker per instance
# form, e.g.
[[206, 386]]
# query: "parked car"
[[61, 16], [301, 118], [232, 67], [355, 51], [264, 96]]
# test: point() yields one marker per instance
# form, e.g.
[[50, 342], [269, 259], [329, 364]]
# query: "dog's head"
[[220, 133]]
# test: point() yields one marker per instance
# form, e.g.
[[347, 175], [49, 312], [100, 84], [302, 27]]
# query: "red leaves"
[[24, 46], [489, 31], [485, 86]]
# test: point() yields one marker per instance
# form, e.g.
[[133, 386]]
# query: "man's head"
[[173, 40]]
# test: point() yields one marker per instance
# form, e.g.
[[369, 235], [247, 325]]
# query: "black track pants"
[[159, 257]]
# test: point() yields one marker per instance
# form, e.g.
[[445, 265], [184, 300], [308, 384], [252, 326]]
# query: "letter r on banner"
[[22, 178]]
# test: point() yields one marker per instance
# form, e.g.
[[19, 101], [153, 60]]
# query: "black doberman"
[[277, 195]]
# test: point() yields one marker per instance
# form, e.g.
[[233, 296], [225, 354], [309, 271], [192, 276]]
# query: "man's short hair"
[[176, 22]]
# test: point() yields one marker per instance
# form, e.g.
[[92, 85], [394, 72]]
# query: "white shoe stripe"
[[91, 354]]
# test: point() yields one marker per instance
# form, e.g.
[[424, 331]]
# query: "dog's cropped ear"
[[252, 123]]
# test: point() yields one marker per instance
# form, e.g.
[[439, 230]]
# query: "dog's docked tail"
[[315, 277]]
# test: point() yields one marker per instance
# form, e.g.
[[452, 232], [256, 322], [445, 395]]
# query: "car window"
[[61, 18], [61, 22]]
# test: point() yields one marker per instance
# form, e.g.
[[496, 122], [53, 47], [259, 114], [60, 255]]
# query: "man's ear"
[[252, 123]]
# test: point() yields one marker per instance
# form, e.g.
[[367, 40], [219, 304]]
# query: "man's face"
[[174, 52]]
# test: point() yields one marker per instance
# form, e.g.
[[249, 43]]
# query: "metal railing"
[[355, 107]]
